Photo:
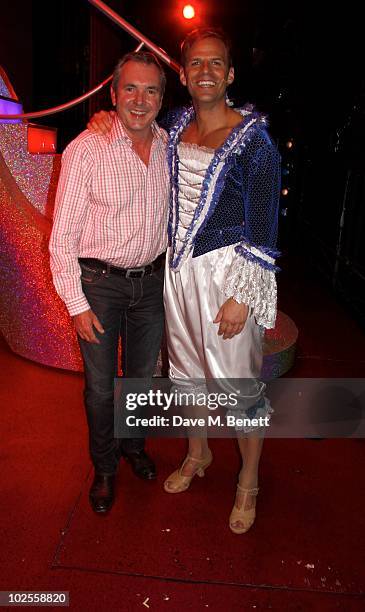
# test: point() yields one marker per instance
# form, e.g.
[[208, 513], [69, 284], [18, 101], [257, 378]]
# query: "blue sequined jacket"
[[238, 205]]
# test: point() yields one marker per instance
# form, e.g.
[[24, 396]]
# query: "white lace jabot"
[[194, 161]]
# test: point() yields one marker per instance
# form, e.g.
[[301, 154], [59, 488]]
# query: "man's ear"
[[182, 76], [113, 96], [230, 77]]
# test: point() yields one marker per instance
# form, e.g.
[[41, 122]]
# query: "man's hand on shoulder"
[[101, 122], [231, 318], [84, 324]]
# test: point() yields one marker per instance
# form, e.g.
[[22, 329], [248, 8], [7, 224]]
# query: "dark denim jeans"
[[131, 308]]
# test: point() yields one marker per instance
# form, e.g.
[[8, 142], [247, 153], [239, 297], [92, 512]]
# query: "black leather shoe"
[[141, 464], [101, 494]]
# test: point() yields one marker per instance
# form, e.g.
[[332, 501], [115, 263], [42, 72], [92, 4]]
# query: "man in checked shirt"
[[107, 245]]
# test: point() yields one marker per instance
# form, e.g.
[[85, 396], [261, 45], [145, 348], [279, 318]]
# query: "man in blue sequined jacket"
[[238, 205]]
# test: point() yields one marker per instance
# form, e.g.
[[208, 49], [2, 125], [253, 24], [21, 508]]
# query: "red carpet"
[[301, 539], [175, 552]]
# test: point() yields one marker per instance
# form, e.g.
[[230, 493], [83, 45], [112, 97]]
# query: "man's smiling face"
[[206, 73], [138, 96]]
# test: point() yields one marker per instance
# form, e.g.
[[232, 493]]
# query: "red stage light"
[[189, 11], [41, 139]]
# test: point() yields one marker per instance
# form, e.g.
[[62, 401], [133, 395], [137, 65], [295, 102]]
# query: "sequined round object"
[[279, 347]]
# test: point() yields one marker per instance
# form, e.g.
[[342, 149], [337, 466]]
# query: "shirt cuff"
[[77, 305]]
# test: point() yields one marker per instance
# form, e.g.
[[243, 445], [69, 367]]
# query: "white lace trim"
[[199, 151], [192, 168], [249, 283]]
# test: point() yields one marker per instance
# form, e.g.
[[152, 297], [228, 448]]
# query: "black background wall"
[[16, 46]]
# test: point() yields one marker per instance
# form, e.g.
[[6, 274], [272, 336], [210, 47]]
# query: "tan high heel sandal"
[[246, 517], [177, 482]]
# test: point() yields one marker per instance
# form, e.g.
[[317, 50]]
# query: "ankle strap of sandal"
[[189, 457], [250, 491]]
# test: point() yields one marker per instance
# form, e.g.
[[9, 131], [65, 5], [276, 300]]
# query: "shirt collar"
[[119, 134]]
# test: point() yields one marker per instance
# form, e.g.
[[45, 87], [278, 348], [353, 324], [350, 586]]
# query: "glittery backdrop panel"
[[33, 319], [32, 173]]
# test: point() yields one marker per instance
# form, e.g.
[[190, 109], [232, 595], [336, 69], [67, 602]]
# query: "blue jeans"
[[130, 308]]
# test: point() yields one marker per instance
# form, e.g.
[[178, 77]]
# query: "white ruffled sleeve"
[[251, 280]]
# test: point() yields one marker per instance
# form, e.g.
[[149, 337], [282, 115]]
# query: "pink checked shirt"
[[109, 206]]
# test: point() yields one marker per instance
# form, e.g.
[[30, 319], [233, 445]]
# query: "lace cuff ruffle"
[[251, 280]]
